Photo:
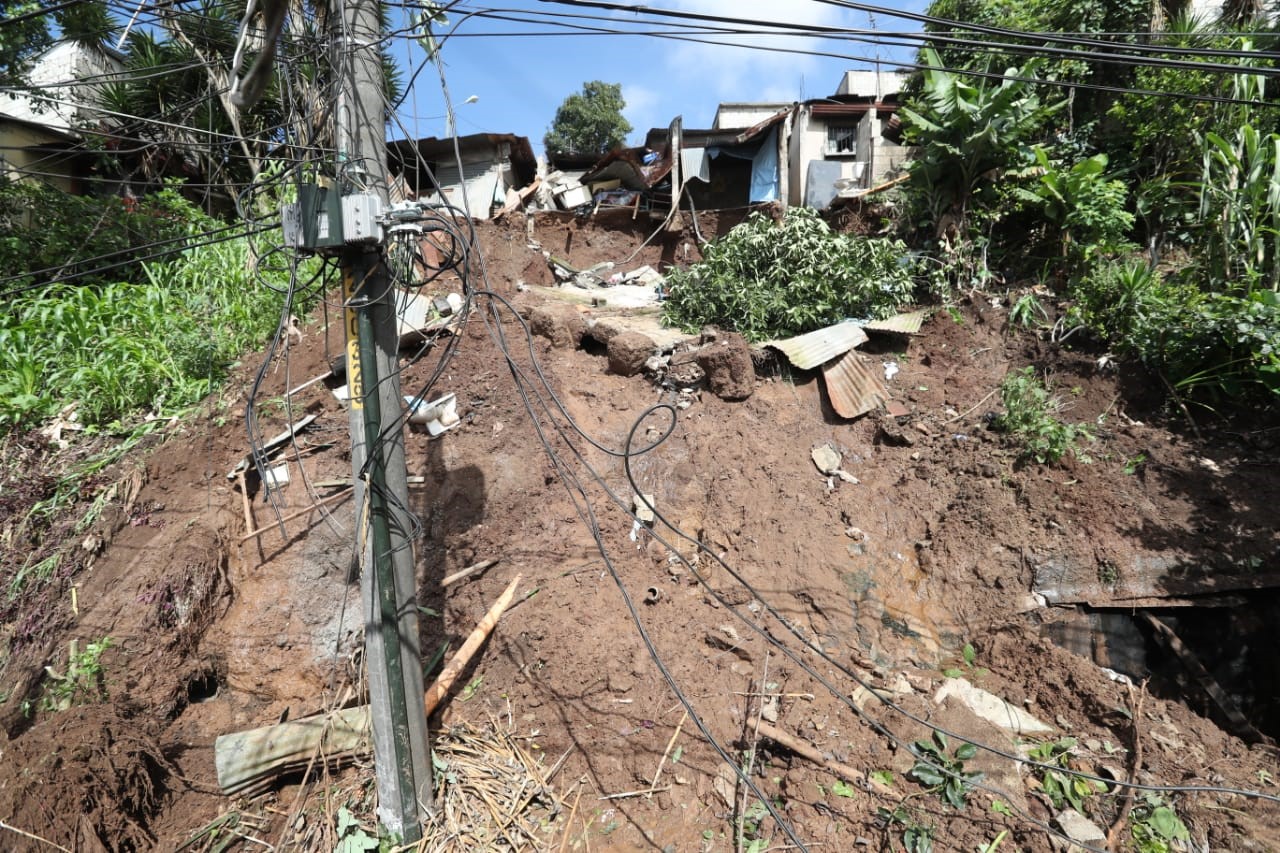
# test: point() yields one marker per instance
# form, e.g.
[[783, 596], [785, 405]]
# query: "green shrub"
[[1031, 418], [121, 348], [770, 280], [1208, 344], [95, 239]]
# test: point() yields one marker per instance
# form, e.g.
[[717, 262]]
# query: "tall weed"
[[123, 348]]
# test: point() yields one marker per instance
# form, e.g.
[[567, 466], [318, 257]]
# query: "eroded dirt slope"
[[940, 543]]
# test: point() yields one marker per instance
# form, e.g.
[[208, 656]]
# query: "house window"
[[842, 139]]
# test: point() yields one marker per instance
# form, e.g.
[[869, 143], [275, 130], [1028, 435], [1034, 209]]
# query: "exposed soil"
[[940, 543]]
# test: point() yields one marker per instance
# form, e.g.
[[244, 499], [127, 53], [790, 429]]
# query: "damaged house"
[[812, 154], [492, 165]]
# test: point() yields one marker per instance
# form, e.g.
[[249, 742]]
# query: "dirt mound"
[[834, 611], [98, 785]]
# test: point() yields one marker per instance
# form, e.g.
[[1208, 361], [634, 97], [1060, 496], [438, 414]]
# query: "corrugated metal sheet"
[[855, 385], [903, 324], [811, 349]]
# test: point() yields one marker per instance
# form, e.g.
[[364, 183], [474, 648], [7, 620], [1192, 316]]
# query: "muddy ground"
[[847, 604]]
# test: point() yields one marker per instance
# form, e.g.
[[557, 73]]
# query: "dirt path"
[[940, 544]]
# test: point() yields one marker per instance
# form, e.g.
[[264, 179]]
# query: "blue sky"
[[518, 82]]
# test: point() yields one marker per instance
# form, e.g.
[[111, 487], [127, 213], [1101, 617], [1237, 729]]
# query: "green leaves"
[[1031, 418], [772, 280], [942, 773], [119, 349]]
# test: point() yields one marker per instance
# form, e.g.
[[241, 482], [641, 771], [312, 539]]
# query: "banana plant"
[[1239, 194], [968, 131]]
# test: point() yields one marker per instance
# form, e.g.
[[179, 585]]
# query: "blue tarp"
[[764, 166]]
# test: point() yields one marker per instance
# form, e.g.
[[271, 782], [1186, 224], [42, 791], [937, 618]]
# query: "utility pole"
[[393, 654]]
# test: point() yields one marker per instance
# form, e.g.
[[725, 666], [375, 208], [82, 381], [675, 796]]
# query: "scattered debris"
[[827, 458], [852, 386], [901, 324], [628, 352], [277, 476], [563, 325], [271, 444], [726, 639], [820, 346], [642, 505], [247, 761], [67, 419], [1079, 828], [438, 416]]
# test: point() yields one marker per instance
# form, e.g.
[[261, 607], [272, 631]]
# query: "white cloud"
[[644, 109], [750, 73]]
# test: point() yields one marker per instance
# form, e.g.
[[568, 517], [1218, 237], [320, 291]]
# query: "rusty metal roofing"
[[903, 324], [693, 138], [855, 385], [814, 348]]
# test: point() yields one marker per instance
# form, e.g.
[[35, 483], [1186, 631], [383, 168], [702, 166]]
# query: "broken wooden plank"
[[248, 761], [291, 516], [271, 444], [1062, 579]]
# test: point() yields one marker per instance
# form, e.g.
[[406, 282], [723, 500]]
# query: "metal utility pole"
[[393, 655]]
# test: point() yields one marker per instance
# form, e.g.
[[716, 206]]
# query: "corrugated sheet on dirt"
[[811, 349], [854, 385]]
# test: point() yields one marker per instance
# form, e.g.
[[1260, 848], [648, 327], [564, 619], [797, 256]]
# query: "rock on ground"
[[563, 325], [628, 351], [727, 363]]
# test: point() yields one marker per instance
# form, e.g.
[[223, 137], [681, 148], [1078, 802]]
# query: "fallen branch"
[[247, 761], [469, 570], [1113, 835], [807, 750]]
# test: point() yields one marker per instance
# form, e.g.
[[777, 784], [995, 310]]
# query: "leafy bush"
[[1030, 417], [770, 280], [1085, 206], [122, 348], [107, 233], [1211, 344]]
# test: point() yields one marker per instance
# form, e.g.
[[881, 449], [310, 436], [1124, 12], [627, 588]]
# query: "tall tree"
[[589, 122], [175, 93]]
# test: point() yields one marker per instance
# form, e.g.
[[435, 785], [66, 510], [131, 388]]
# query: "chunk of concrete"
[[990, 707], [563, 325], [731, 375], [1079, 828], [628, 351]]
